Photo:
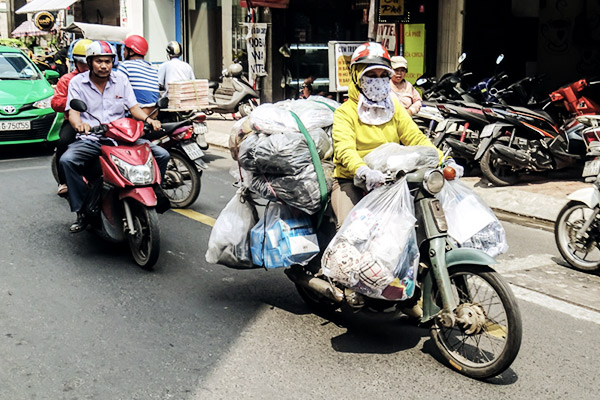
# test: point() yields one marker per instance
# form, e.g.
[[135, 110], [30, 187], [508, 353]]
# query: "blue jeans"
[[80, 152]]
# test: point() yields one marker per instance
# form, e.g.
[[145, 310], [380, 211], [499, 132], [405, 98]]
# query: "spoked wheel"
[[144, 243], [486, 337], [182, 182], [54, 167], [497, 171], [582, 251]]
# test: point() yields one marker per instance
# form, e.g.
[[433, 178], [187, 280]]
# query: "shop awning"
[[266, 3], [44, 5], [28, 28], [98, 32]]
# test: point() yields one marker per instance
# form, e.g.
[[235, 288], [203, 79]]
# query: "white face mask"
[[375, 89]]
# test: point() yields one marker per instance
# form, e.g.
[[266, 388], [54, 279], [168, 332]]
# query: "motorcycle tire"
[[145, 242], [182, 181], [245, 108], [496, 171], [54, 167], [493, 349], [581, 253]]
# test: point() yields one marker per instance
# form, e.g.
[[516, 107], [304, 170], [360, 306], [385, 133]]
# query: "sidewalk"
[[536, 199]]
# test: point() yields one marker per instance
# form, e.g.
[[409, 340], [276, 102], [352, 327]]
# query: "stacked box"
[[188, 95]]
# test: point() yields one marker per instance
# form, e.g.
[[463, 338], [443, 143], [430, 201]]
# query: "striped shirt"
[[143, 78]]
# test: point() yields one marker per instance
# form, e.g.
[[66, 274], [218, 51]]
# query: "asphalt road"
[[78, 319]]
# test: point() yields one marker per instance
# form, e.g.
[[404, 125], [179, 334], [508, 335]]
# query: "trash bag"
[[278, 154], [283, 237], [229, 241], [375, 251], [471, 223], [393, 157]]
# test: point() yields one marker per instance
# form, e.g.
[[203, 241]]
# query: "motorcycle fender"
[[453, 257], [489, 133], [143, 195], [588, 196]]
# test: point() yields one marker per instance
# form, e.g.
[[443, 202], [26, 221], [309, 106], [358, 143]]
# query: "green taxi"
[[25, 93]]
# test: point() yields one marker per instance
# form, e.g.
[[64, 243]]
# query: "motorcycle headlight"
[[433, 181], [45, 103], [136, 174]]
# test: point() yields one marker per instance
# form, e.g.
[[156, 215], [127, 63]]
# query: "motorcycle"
[[233, 93], [448, 87], [577, 229], [473, 316], [121, 203]]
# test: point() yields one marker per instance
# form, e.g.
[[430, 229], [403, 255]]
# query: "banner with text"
[[386, 35], [339, 55], [414, 50], [256, 47]]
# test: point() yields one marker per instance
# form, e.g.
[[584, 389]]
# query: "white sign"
[[256, 47], [340, 54], [386, 35]]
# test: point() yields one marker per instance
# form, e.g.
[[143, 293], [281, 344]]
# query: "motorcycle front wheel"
[[580, 252], [246, 108], [144, 235], [182, 182], [486, 338], [498, 172]]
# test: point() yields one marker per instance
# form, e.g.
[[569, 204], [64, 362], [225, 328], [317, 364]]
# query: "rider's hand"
[[83, 128], [155, 124], [457, 168], [372, 177]]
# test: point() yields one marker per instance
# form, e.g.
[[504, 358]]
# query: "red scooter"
[[121, 203]]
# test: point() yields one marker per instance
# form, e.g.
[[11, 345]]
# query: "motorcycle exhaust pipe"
[[316, 284], [511, 156]]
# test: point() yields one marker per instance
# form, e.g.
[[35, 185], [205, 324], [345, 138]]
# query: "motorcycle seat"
[[539, 113]]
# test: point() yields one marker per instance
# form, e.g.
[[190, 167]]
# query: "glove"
[[372, 177], [459, 169]]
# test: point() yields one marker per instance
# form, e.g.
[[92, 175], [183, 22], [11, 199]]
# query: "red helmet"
[[136, 43], [371, 53]]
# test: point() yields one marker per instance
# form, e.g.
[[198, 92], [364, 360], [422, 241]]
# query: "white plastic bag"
[[393, 157], [229, 242], [375, 251], [471, 223]]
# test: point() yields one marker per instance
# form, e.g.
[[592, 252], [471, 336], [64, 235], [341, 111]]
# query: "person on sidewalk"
[[402, 90], [58, 104], [142, 76], [106, 93], [174, 70]]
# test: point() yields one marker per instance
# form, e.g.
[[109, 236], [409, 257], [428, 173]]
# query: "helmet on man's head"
[[99, 48], [174, 49], [136, 43], [79, 48]]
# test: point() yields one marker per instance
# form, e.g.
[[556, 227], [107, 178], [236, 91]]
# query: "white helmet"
[[99, 48]]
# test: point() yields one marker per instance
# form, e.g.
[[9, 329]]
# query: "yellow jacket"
[[352, 139]]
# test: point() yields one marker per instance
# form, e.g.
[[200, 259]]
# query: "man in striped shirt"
[[142, 76]]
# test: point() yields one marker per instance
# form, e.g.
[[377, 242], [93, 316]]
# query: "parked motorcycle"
[[120, 205], [591, 137], [474, 317], [448, 87], [233, 93], [577, 229]]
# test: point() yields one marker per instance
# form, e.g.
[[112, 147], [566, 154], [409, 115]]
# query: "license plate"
[[200, 128], [591, 168], [15, 125], [193, 150], [487, 131]]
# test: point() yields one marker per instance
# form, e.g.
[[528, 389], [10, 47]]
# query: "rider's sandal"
[[62, 190]]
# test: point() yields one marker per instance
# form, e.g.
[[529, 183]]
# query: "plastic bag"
[[375, 251], [393, 157], [229, 241], [471, 223], [272, 118], [283, 237], [278, 154]]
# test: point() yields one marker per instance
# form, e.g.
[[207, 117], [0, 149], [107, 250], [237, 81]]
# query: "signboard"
[[256, 47], [390, 10], [414, 50], [386, 35], [339, 56], [44, 21]]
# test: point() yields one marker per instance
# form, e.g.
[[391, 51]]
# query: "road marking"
[[205, 219]]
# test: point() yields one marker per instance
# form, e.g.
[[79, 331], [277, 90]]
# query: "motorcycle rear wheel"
[[54, 167], [182, 182], [245, 108], [497, 171], [145, 243], [576, 251], [492, 351]]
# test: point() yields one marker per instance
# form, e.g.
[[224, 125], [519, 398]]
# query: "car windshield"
[[16, 66]]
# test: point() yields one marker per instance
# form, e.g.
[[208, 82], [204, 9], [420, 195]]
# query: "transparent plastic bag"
[[393, 157], [278, 154], [272, 118], [229, 241], [283, 237], [471, 223], [375, 251]]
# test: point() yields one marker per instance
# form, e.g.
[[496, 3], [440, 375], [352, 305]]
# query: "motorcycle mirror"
[[462, 58], [163, 102], [500, 58], [78, 105]]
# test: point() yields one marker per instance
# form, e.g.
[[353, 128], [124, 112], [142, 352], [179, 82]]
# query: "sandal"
[[62, 190]]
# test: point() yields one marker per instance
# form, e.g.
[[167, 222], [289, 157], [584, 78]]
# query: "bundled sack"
[[229, 241], [279, 154], [375, 251], [282, 238], [239, 131], [393, 157], [471, 223]]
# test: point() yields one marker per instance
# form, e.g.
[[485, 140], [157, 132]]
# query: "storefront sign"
[[44, 21], [386, 35], [414, 50], [340, 54], [391, 8], [256, 47]]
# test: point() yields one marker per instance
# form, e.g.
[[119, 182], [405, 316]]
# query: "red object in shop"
[[266, 3]]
